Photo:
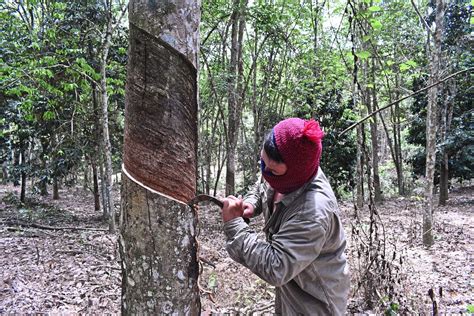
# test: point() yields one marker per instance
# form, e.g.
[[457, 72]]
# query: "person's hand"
[[233, 207], [248, 210]]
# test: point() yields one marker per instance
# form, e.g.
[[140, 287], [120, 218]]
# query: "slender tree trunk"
[[157, 227], [360, 196], [23, 187], [432, 125], [375, 141], [398, 159], [23, 174], [16, 165], [43, 155], [55, 188], [95, 180], [234, 91], [106, 146], [105, 209], [446, 118], [359, 177], [96, 158], [4, 172], [85, 184]]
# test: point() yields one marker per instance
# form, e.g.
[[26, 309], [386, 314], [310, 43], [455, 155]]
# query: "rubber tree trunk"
[[105, 209], [106, 145], [4, 172], [446, 118], [375, 141], [85, 184], [96, 158], [23, 175], [234, 84], [55, 188], [397, 140], [43, 156], [360, 195], [16, 165], [432, 125], [359, 177], [157, 227], [95, 181]]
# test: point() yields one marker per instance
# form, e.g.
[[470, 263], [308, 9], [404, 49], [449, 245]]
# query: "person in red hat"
[[303, 254]]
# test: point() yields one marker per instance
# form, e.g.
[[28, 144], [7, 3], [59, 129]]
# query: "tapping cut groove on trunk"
[[162, 115]]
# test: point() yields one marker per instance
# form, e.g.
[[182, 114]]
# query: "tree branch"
[[403, 98], [122, 13], [428, 29]]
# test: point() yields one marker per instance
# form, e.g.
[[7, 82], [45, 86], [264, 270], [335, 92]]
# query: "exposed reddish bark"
[[161, 132]]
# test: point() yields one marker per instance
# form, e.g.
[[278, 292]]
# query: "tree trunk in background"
[[44, 181], [106, 146], [235, 101], [86, 176], [95, 181], [16, 164], [432, 124], [105, 209], [55, 188], [356, 94], [257, 120], [95, 159], [375, 139], [157, 228], [23, 174], [4, 172], [446, 118], [360, 168], [398, 158]]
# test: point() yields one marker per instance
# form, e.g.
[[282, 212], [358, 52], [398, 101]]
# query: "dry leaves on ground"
[[46, 271]]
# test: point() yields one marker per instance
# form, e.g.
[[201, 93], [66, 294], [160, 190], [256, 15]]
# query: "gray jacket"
[[303, 255]]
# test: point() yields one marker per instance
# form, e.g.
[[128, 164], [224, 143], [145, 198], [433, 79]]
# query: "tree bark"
[[55, 188], [4, 172], [95, 180], [375, 141], [85, 184], [16, 165], [234, 91], [157, 227], [360, 196], [432, 124], [446, 118], [23, 174], [44, 181], [106, 146], [105, 209], [398, 159], [359, 177]]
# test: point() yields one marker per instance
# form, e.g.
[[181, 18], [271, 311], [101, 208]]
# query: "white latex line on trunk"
[[146, 187]]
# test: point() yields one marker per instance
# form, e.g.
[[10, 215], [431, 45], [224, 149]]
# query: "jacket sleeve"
[[296, 245], [253, 197]]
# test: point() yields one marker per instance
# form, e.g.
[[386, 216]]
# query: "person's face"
[[277, 168]]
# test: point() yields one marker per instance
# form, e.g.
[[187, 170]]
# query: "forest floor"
[[77, 271]]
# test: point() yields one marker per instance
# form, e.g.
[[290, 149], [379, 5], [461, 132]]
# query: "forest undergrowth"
[[46, 270]]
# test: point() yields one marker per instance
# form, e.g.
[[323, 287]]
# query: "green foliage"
[[47, 75], [363, 54], [392, 309], [460, 137], [470, 309]]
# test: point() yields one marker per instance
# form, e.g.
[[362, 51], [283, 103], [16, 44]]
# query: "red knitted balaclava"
[[299, 144]]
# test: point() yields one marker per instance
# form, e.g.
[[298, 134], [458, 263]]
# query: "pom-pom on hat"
[[299, 143]]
